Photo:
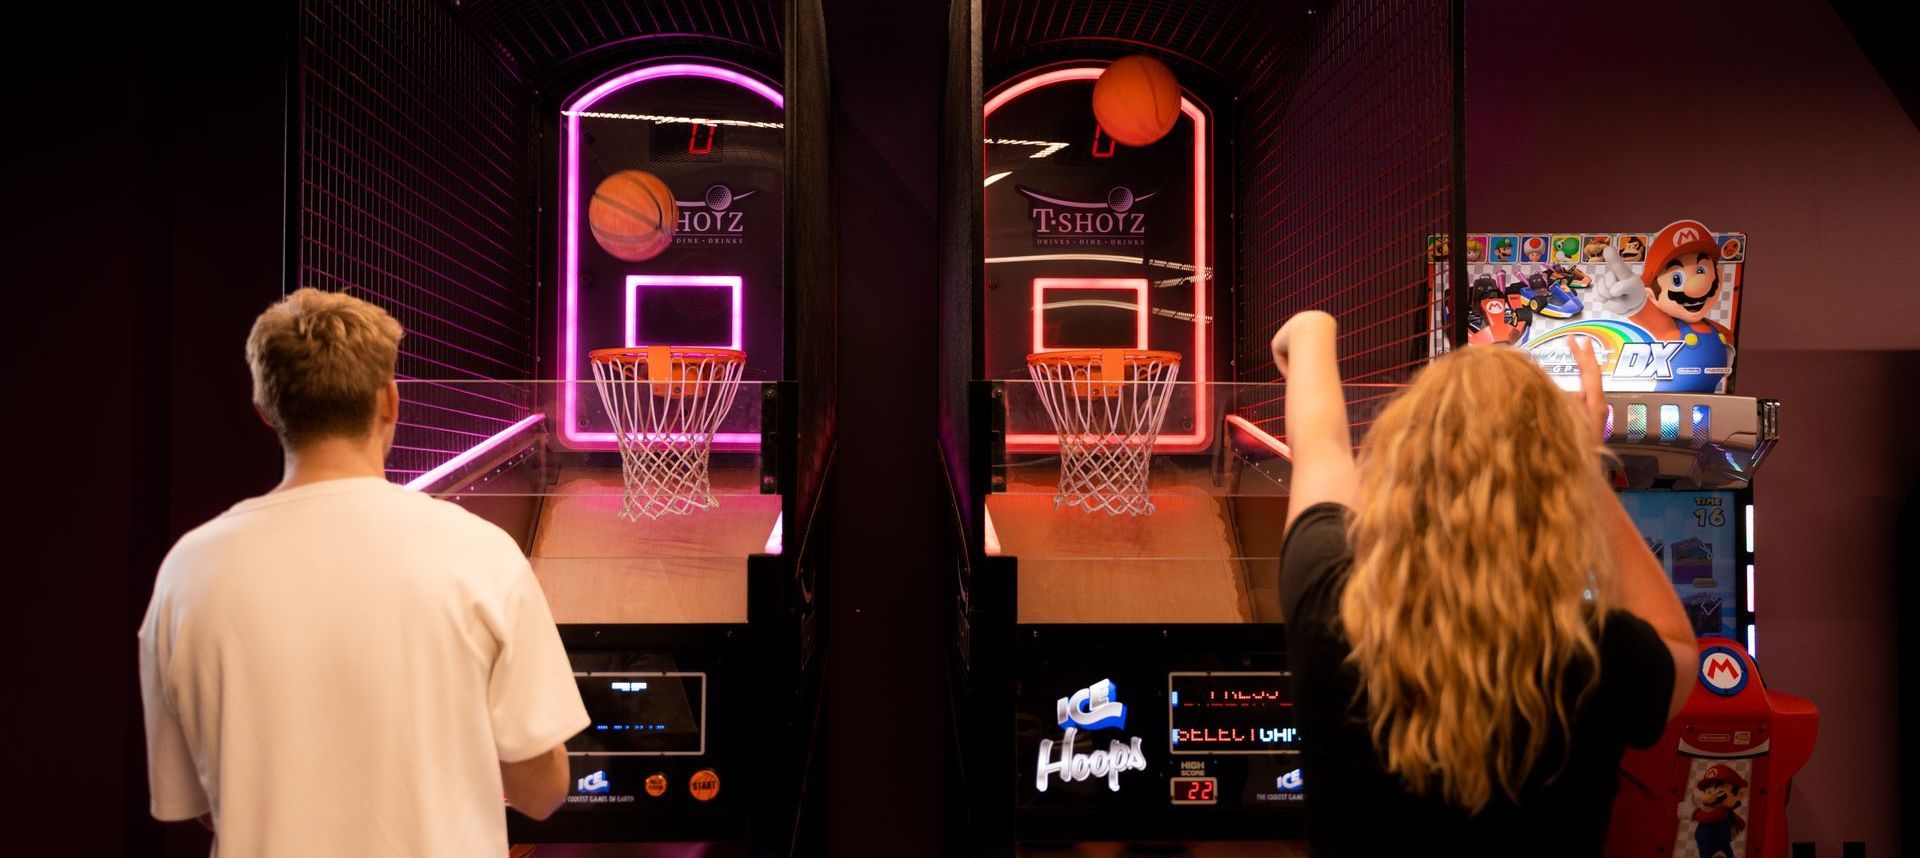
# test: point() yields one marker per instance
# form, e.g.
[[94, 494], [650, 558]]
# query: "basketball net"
[[665, 403], [1107, 406]]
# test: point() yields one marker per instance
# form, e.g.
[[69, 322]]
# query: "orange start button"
[[656, 785], [704, 785]]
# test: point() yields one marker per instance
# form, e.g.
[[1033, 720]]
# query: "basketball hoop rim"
[[642, 354], [1058, 357]]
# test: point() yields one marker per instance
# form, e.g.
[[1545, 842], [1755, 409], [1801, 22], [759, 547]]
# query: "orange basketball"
[[633, 215], [1136, 100]]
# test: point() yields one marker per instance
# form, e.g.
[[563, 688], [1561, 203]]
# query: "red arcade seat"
[[1716, 783]]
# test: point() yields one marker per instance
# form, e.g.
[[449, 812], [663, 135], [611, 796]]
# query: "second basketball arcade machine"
[[1121, 481], [660, 472], [1120, 490]]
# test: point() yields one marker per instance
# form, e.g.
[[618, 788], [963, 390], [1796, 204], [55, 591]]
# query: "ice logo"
[[1289, 782], [1092, 708], [594, 784]]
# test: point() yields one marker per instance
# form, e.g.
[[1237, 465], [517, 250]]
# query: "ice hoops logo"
[[1115, 221], [713, 219], [1091, 708], [1722, 671]]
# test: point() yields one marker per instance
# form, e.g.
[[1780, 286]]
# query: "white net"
[[665, 403], [1107, 406]]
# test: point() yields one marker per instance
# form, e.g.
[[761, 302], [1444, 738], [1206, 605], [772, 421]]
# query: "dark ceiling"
[[555, 40], [1241, 44]]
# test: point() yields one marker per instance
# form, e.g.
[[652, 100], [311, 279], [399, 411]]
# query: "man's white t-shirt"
[[339, 669]]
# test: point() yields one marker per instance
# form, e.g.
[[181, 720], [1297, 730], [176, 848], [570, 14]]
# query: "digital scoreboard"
[[639, 714], [1231, 713]]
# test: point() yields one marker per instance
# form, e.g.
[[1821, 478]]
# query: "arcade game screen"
[[643, 713], [1694, 535]]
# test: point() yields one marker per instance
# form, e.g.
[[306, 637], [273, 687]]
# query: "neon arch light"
[[570, 339], [1202, 192]]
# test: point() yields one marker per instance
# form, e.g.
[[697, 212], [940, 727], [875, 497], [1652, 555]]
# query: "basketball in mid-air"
[[1136, 100], [633, 215]]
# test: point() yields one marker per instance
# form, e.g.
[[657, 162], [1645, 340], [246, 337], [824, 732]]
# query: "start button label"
[[704, 785]]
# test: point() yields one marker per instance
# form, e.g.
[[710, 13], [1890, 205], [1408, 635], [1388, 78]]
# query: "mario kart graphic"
[[1717, 798], [1663, 325]]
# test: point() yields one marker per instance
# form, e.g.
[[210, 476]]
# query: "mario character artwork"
[[1717, 798], [1437, 248], [1658, 307], [1656, 325], [1682, 285], [1494, 316]]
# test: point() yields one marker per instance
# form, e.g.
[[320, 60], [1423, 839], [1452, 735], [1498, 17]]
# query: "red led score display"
[[1195, 790], [1231, 713]]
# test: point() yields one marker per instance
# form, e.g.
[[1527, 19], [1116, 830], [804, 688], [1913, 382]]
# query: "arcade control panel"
[[1139, 732], [667, 750]]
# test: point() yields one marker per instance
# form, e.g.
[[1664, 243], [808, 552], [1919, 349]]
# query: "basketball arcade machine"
[[1109, 520], [651, 465], [1688, 450], [1120, 673]]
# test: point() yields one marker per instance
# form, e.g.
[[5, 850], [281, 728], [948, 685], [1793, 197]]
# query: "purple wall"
[[1797, 142]]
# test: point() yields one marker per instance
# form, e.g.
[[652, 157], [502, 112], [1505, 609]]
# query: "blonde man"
[[343, 666]]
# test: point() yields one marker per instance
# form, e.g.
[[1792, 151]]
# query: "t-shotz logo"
[[714, 218], [1114, 221], [1090, 708]]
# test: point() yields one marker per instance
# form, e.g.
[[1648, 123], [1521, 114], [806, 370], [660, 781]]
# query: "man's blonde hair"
[[319, 359]]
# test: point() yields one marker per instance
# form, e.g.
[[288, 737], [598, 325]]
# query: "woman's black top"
[[1356, 808]]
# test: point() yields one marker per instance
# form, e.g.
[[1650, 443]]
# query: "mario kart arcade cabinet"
[[1662, 308]]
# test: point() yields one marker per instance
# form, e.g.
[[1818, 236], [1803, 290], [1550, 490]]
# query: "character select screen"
[[1693, 536]]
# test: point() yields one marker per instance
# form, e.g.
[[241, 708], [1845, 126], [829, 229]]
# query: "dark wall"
[[885, 699], [150, 232], [812, 349], [1345, 166], [1770, 121]]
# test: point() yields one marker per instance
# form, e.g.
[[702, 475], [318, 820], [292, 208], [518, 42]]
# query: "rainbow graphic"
[[1555, 354]]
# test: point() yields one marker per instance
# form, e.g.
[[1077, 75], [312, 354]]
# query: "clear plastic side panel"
[[1109, 527], [655, 526]]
